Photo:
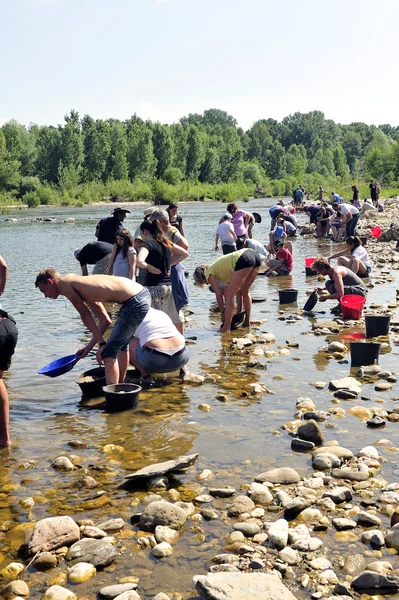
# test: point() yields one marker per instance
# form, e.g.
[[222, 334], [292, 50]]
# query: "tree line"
[[204, 154]]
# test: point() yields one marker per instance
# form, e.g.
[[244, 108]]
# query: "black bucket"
[[95, 381], [288, 296], [364, 239], [363, 354], [121, 396], [377, 325], [310, 272]]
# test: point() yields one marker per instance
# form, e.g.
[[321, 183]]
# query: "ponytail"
[[155, 230]]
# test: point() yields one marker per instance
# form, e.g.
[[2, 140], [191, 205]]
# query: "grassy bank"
[[160, 192]]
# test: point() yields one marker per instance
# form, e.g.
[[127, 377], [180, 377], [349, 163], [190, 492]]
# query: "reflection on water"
[[239, 437]]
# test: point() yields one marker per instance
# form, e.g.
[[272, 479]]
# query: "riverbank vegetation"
[[201, 157]]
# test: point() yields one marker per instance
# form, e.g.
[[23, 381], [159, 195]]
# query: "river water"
[[236, 439]]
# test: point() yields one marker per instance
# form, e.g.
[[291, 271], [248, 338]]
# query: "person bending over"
[[238, 270], [97, 254], [358, 259], [341, 283], [87, 295], [157, 346], [283, 262]]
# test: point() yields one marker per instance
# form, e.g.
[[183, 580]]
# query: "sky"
[[164, 59]]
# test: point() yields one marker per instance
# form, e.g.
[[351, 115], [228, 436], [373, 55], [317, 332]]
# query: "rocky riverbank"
[[326, 530]]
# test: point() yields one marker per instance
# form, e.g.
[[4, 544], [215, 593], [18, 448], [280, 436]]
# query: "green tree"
[[117, 164], [180, 147], [296, 160], [9, 169], [196, 152], [71, 152], [352, 144], [97, 146], [210, 168], [275, 162], [163, 148], [340, 164], [140, 150], [48, 145]]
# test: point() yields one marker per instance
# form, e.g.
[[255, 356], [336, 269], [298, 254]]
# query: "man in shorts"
[[8, 341], [87, 295]]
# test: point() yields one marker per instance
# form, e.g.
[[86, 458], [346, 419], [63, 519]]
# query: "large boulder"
[[52, 533], [241, 586], [99, 553], [162, 513]]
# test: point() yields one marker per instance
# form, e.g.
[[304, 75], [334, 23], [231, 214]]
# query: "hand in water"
[[82, 353]]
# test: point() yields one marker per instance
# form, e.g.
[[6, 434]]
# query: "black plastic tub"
[[121, 396], [377, 325], [94, 388], [288, 296], [363, 353], [310, 272]]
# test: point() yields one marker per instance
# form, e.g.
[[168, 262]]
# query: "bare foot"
[[246, 323], [224, 329]]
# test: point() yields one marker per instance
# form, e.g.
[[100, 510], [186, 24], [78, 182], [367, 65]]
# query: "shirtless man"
[[342, 281], [87, 295]]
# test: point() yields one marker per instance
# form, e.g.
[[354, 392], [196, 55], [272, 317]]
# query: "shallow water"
[[236, 440]]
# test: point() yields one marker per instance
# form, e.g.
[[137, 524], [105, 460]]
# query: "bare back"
[[99, 288]]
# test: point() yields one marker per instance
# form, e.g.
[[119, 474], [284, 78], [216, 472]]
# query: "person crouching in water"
[[226, 233], [283, 262], [238, 270], [157, 346]]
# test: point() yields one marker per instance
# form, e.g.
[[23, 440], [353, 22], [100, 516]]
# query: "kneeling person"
[[283, 262], [157, 346]]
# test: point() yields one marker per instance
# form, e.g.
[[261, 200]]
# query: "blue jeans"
[[130, 316], [155, 361], [351, 225]]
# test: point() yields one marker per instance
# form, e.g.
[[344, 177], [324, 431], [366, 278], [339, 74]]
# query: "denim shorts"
[[130, 316], [158, 362]]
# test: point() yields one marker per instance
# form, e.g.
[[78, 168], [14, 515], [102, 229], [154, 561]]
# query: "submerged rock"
[[17, 588], [112, 591], [57, 592], [99, 553], [311, 432], [162, 513], [170, 466], [241, 586]]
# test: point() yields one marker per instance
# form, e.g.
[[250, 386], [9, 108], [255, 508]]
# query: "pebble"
[[161, 550], [373, 537], [240, 505], [298, 445], [278, 533], [112, 591], [166, 534], [57, 592], [81, 572], [339, 495], [222, 492], [62, 463], [290, 556], [15, 589], [342, 524], [320, 564], [311, 432], [248, 529], [308, 544]]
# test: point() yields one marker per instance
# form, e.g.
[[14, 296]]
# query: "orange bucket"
[[352, 306]]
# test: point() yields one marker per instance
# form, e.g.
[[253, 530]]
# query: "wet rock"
[[316, 415], [298, 445], [345, 395], [222, 492], [112, 591], [339, 495], [307, 544], [278, 533], [62, 463], [376, 422], [236, 586], [350, 475], [92, 532], [305, 404], [99, 553], [166, 534], [248, 529], [57, 592], [81, 572], [260, 494], [347, 383], [375, 583], [209, 514], [194, 378], [45, 561], [203, 499], [11, 571], [129, 595], [162, 513], [283, 475], [367, 519], [342, 524], [170, 466], [87, 482], [369, 452], [161, 596], [112, 525], [290, 556], [52, 533], [77, 444], [294, 508], [158, 483], [361, 412], [354, 563], [240, 505], [15, 588], [373, 537], [311, 432], [337, 347], [383, 386], [392, 537], [325, 461], [161, 550], [380, 566], [320, 564], [339, 451]]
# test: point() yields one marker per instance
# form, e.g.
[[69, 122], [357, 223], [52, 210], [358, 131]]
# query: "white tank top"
[[156, 325]]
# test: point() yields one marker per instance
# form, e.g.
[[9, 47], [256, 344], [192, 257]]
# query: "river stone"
[[112, 525], [241, 586], [248, 529], [166, 534], [99, 553], [161, 550], [354, 563], [62, 463], [45, 561], [317, 415], [11, 571], [382, 386], [369, 452], [290, 556], [294, 508], [170, 466], [278, 533], [345, 395], [161, 596], [81, 572], [338, 451], [260, 494], [56, 592], [128, 595], [283, 475], [311, 432], [380, 566], [222, 492], [52, 533], [325, 461], [339, 495], [162, 513], [337, 347], [298, 445], [342, 524], [347, 383], [392, 537], [350, 475], [92, 532], [366, 519], [308, 544], [373, 537], [240, 505], [375, 583], [112, 591], [389, 497], [15, 588], [320, 564]]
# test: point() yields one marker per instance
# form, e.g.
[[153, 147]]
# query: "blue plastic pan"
[[59, 366]]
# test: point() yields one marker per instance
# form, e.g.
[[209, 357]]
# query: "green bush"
[[31, 199], [28, 184], [47, 195], [163, 193], [278, 187], [172, 175]]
